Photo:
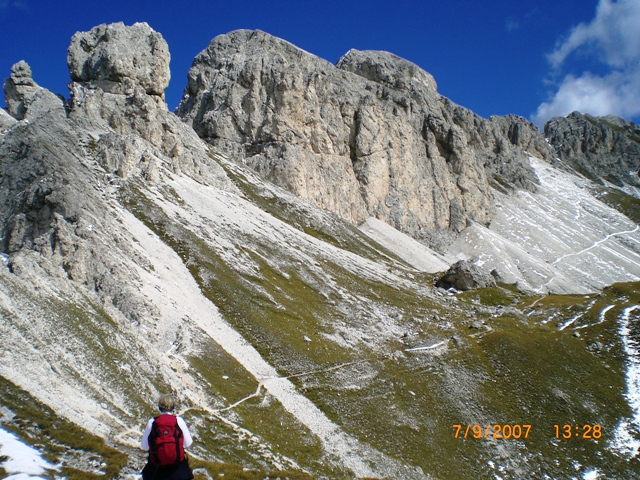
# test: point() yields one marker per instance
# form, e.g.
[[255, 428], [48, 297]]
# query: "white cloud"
[[612, 38]]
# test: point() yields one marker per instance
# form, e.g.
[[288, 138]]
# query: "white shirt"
[[187, 440]]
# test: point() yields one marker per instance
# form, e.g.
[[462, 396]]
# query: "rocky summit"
[[337, 271], [368, 137]]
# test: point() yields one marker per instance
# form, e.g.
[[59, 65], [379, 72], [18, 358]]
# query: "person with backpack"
[[165, 438]]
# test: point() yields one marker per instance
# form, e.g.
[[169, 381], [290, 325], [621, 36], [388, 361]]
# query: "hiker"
[[165, 438]]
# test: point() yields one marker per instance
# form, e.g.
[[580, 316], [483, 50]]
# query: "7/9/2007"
[[504, 431]]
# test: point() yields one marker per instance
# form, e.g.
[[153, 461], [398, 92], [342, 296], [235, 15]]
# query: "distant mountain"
[[598, 147], [299, 327]]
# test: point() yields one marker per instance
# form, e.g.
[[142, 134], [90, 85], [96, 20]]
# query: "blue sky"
[[533, 58]]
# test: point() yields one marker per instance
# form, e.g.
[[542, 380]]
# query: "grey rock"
[[513, 139], [50, 227], [118, 58], [369, 137], [464, 275], [121, 73], [597, 147], [25, 98], [595, 347], [6, 121], [387, 68], [59, 170]]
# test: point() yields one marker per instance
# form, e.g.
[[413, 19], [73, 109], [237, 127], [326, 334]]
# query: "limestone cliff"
[[367, 137]]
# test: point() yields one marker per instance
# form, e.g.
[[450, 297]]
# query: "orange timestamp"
[[578, 431], [499, 431]]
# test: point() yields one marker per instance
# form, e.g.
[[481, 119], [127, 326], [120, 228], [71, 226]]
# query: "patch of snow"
[[601, 318], [591, 474], [627, 435], [429, 347], [416, 254], [24, 462]]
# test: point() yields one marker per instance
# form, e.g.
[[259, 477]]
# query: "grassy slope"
[[519, 372], [516, 369]]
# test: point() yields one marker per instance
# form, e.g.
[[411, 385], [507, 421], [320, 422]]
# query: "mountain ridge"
[[386, 147], [142, 260]]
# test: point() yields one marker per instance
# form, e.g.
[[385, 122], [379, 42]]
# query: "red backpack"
[[166, 441]]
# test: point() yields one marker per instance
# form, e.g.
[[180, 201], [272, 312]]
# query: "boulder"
[[464, 275]]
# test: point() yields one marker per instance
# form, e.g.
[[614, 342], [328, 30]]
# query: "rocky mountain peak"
[[59, 168], [386, 68], [599, 147], [120, 74], [370, 137], [24, 97], [118, 58]]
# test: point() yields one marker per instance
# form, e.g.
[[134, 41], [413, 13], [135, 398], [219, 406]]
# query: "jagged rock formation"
[[25, 98], [131, 264], [369, 137], [121, 73], [99, 140], [598, 147], [117, 58]]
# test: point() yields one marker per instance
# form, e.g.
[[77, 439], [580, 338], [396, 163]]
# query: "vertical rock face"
[[606, 147], [368, 137]]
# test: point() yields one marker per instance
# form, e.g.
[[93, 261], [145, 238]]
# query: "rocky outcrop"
[[118, 58], [120, 75], [115, 128], [597, 147], [6, 121], [25, 98], [387, 69], [370, 137]]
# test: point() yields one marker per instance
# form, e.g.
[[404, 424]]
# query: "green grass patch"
[[501, 295], [621, 201], [233, 471]]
